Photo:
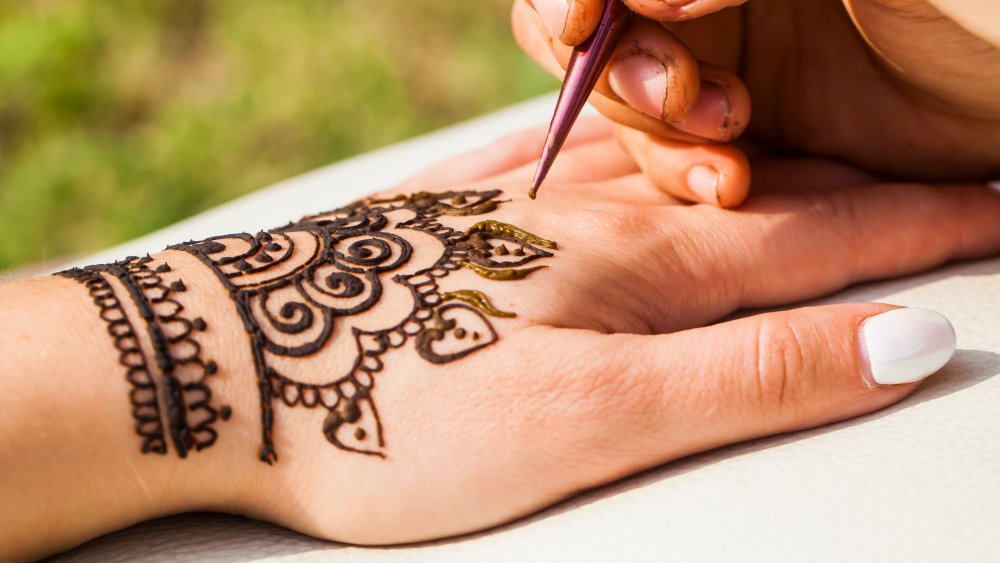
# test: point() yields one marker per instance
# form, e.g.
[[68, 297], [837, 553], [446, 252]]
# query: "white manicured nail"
[[906, 345], [994, 185]]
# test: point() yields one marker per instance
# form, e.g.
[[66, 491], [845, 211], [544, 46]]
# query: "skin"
[[905, 89], [612, 365]]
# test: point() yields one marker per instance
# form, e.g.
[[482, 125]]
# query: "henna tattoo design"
[[290, 285], [294, 287], [180, 389], [145, 409]]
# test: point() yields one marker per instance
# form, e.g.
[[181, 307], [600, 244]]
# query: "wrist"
[[79, 452]]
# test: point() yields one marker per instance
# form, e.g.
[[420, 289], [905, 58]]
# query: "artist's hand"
[[615, 361], [907, 88]]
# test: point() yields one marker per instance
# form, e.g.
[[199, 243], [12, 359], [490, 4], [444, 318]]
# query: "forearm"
[[64, 431], [74, 427], [178, 378]]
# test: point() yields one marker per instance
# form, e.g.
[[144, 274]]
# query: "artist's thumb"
[[679, 10], [569, 21]]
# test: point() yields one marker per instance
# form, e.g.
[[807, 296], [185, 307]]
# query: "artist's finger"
[[649, 73], [632, 402], [653, 83], [714, 174], [536, 43], [784, 248], [570, 21], [679, 10], [509, 153]]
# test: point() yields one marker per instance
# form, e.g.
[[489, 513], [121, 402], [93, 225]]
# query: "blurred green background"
[[118, 117]]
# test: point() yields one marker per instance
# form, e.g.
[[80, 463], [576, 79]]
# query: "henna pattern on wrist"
[[179, 390], [145, 410], [295, 288]]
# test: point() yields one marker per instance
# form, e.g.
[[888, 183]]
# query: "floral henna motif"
[[177, 397], [293, 287]]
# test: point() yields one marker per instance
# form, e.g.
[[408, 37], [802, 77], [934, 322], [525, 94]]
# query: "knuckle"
[[598, 393], [781, 360], [832, 204], [838, 215], [694, 248]]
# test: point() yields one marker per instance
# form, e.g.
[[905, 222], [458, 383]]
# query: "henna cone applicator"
[[584, 69]]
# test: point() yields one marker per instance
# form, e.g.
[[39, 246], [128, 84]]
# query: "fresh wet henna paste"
[[294, 287]]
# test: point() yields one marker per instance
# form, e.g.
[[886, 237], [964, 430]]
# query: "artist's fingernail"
[[710, 116], [995, 186], [641, 81], [703, 179], [553, 13], [905, 345]]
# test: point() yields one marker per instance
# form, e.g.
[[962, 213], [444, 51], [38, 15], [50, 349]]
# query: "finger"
[[679, 10], [554, 56], [653, 82], [778, 175], [652, 71], [596, 170], [634, 189], [590, 162], [790, 247], [714, 174], [655, 74], [534, 41], [509, 153], [570, 21], [639, 401]]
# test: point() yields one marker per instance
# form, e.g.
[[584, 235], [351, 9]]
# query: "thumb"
[[570, 21], [699, 389], [798, 369]]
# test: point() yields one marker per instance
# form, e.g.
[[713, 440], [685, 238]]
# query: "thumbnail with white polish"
[[906, 345]]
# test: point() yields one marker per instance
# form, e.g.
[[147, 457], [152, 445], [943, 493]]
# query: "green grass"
[[119, 117]]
